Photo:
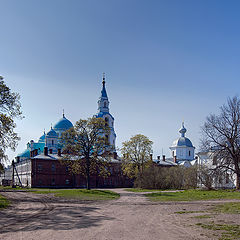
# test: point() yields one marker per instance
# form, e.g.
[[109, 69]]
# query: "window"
[[53, 167], [173, 153], [105, 104], [189, 153], [39, 167], [106, 121], [67, 169], [53, 181], [52, 142], [67, 181]]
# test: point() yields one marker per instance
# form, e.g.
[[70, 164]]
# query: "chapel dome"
[[52, 133], [182, 141], [42, 138], [63, 124]]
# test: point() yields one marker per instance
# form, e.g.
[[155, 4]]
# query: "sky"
[[166, 61]]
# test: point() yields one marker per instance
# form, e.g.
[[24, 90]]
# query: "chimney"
[[151, 157], [45, 151], [175, 159], [158, 158], [50, 151], [163, 158], [59, 152], [115, 155]]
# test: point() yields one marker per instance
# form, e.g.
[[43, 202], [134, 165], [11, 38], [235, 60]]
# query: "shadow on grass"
[[43, 214]]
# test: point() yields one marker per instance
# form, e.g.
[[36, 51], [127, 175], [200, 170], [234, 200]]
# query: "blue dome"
[[182, 142], [63, 124], [52, 133], [42, 138], [25, 154]]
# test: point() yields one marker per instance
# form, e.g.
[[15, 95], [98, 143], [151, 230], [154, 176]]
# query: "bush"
[[156, 177]]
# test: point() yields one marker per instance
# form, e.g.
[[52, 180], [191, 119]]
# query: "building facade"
[[40, 166]]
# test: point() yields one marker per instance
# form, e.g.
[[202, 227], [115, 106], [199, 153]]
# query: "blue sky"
[[165, 62]]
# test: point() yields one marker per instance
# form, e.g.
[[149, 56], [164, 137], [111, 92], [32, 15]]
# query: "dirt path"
[[132, 216]]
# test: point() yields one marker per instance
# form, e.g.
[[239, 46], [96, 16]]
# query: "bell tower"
[[103, 112]]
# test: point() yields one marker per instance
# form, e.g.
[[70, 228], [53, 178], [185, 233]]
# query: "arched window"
[[106, 121], [52, 142], [53, 167], [105, 104], [189, 153]]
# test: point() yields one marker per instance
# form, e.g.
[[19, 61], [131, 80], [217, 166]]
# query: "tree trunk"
[[238, 181], [88, 174]]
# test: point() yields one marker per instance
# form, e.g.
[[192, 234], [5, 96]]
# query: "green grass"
[[81, 194], [202, 216], [227, 231], [3, 202], [231, 208], [193, 195], [141, 190], [184, 212]]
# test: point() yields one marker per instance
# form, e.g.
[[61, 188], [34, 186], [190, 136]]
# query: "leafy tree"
[[221, 134], [85, 150], [10, 108], [136, 153]]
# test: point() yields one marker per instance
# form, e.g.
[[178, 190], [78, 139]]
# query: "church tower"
[[182, 148], [103, 112]]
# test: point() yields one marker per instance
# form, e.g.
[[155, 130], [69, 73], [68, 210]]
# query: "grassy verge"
[[227, 231], [141, 190], [193, 195], [230, 208], [3, 202], [81, 194]]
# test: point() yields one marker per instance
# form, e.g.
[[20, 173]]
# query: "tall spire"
[[103, 102], [103, 92]]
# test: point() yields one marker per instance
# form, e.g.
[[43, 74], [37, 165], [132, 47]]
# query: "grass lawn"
[[227, 231], [81, 194], [193, 195], [141, 190], [3, 202], [231, 208]]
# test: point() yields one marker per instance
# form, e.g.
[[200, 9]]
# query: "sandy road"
[[132, 216]]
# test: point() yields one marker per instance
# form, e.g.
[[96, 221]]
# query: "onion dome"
[[42, 138], [182, 141], [52, 133], [63, 124]]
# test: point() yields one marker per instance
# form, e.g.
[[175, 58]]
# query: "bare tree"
[[221, 134]]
